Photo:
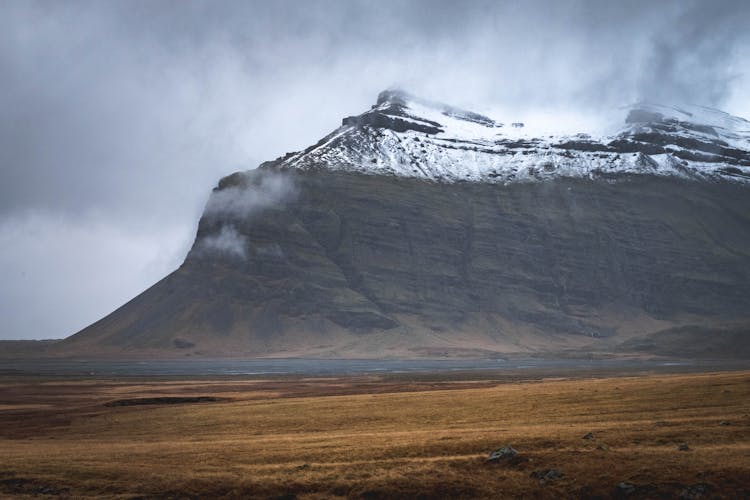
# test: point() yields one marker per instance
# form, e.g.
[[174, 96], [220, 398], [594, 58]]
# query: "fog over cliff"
[[117, 118]]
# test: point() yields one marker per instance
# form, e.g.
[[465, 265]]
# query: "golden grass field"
[[378, 437]]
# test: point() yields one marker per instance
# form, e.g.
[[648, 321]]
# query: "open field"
[[376, 437]]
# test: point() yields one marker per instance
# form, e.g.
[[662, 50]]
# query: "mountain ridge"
[[412, 137]]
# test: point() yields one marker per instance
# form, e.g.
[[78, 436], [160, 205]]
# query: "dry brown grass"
[[372, 438]]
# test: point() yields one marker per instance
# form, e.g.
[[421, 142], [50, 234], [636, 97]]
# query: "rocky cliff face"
[[405, 234]]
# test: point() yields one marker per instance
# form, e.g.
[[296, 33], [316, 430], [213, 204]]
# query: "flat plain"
[[387, 436]]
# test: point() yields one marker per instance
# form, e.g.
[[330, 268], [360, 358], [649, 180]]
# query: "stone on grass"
[[695, 491], [502, 454], [625, 488], [546, 475]]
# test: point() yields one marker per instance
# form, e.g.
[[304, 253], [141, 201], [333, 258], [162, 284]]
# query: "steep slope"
[[415, 230]]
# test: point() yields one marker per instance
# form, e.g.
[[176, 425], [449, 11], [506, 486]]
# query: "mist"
[[117, 118], [252, 195], [249, 196], [227, 242]]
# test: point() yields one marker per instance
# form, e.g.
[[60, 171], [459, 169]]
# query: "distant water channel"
[[323, 367]]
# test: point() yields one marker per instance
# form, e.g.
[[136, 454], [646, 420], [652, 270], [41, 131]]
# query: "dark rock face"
[[380, 120], [366, 265]]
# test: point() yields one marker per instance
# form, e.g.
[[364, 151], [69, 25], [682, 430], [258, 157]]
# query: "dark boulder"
[[546, 475], [502, 454]]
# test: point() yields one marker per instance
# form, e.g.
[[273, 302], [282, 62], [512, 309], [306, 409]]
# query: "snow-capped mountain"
[[417, 229], [406, 136]]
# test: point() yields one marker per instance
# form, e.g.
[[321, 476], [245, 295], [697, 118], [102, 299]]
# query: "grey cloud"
[[691, 61], [59, 274]]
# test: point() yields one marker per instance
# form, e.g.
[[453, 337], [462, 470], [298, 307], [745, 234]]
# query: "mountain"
[[417, 229]]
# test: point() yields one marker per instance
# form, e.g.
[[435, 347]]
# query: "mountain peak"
[[394, 95], [400, 101]]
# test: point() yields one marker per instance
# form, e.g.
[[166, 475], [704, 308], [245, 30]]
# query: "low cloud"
[[227, 242], [239, 198], [252, 193]]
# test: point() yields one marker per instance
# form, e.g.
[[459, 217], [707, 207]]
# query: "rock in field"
[[546, 475], [695, 491], [502, 454], [625, 488]]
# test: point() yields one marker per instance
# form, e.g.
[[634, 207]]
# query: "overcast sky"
[[117, 118]]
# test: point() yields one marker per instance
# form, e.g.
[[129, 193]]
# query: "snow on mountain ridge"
[[399, 98], [407, 136], [699, 121]]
